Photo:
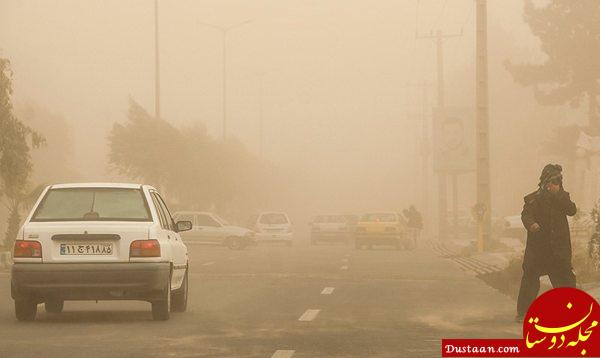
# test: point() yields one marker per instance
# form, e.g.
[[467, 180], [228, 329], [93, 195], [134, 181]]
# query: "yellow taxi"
[[383, 228]]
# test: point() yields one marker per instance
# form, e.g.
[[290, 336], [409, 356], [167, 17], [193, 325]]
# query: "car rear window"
[[333, 219], [384, 217], [93, 204], [273, 219]]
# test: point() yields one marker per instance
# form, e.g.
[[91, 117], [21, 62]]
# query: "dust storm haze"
[[302, 115], [337, 96]]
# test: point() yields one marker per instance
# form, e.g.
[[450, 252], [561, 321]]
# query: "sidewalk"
[[501, 260]]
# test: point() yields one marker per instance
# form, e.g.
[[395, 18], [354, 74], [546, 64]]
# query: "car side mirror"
[[183, 226]]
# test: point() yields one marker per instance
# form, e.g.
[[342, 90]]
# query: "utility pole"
[[425, 149], [439, 38], [484, 196], [156, 64], [224, 31], [260, 116]]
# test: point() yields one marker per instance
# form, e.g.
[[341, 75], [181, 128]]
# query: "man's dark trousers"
[[530, 285]]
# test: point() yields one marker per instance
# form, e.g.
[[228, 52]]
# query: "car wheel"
[[161, 308], [179, 297], [25, 309], [235, 244], [54, 306]]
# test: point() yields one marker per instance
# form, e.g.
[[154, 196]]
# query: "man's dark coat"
[[549, 249]]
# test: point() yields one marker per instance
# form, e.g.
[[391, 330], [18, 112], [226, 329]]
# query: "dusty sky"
[[336, 102]]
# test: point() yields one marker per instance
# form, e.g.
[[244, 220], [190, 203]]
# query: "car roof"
[[193, 212], [99, 185]]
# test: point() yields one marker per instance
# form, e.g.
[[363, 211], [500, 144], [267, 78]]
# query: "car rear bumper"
[[273, 236], [330, 235], [379, 238], [93, 281]]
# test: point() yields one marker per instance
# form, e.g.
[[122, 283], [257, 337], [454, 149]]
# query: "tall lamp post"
[[224, 31], [156, 64]]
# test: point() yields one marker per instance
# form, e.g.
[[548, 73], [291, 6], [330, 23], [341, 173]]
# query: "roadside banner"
[[453, 140]]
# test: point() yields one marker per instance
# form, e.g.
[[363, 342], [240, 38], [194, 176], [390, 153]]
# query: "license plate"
[[86, 249]]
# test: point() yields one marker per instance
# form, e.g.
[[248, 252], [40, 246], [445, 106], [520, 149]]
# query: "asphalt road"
[[274, 301]]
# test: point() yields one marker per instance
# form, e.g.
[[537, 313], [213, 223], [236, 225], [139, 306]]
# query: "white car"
[[272, 227], [513, 227], [100, 242], [209, 228], [332, 228]]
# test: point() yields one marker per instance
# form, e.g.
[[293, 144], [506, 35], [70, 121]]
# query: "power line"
[[466, 21]]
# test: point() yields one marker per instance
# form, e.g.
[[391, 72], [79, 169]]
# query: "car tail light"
[[144, 248], [27, 248]]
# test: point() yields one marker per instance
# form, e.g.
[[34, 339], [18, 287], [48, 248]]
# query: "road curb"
[[5, 260]]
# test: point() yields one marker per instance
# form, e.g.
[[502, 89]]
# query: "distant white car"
[[272, 227], [209, 228], [100, 242], [513, 227], [332, 228]]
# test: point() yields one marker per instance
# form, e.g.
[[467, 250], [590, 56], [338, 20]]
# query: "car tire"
[[161, 308], [54, 306], [25, 309], [234, 243], [179, 298]]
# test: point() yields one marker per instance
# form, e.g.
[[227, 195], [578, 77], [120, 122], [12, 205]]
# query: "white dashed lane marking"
[[345, 267], [283, 353], [309, 315], [208, 263], [327, 291], [345, 260]]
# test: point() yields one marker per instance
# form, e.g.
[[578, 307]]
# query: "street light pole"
[[484, 196], [261, 119], [156, 64], [439, 38], [224, 31]]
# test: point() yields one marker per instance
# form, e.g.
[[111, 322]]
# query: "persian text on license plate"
[[86, 249]]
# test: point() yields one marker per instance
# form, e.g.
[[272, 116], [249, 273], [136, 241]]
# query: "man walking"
[[548, 250], [415, 223]]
